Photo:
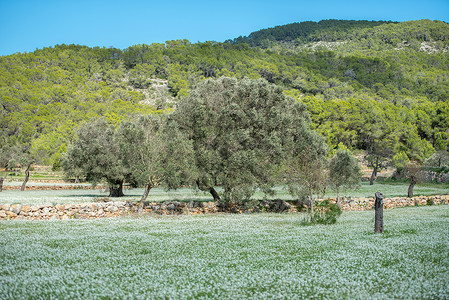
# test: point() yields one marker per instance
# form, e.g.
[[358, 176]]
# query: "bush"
[[326, 212]]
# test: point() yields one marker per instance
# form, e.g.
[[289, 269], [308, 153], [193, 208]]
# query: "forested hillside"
[[325, 30], [381, 87]]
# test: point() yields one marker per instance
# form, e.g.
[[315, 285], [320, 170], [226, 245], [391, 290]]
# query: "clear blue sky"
[[29, 24]]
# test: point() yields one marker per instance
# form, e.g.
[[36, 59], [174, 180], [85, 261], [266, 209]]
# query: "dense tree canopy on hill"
[[328, 30], [361, 81]]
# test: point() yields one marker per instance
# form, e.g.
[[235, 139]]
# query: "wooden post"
[[379, 213]]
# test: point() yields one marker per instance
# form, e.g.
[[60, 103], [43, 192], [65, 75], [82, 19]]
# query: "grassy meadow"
[[254, 256], [39, 197]]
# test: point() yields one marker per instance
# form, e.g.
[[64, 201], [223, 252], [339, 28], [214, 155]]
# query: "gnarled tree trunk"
[[27, 177], [211, 189], [373, 176], [148, 187], [214, 194], [116, 189], [379, 213], [413, 181], [144, 196]]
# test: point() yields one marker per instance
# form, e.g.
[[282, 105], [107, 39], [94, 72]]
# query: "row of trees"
[[241, 135]]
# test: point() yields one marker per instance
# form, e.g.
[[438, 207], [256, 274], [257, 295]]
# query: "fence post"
[[379, 213]]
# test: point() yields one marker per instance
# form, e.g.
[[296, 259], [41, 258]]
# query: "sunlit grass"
[[39, 197], [255, 256]]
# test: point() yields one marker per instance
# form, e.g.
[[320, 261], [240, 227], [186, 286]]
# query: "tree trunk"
[[411, 186], [27, 177], [214, 194], [212, 191], [338, 197], [1, 184], [77, 179], [374, 174], [379, 213], [116, 189], [144, 196], [324, 193], [311, 205]]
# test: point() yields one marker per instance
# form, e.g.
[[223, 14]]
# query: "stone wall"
[[100, 210], [118, 208], [368, 203]]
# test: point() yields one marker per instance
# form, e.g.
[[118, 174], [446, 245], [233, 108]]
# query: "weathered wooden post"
[[379, 213]]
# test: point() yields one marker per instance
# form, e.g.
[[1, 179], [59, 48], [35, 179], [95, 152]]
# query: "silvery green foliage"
[[304, 169], [155, 152], [241, 131], [140, 144], [145, 151], [344, 171], [96, 154], [262, 256]]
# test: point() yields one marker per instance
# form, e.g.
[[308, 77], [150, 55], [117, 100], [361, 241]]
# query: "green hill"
[[365, 83], [325, 30]]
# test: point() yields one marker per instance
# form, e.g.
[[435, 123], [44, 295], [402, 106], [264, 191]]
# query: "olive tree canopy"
[[154, 152], [241, 132], [145, 151], [344, 171], [96, 154]]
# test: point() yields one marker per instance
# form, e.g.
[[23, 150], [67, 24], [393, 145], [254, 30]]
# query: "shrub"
[[326, 212]]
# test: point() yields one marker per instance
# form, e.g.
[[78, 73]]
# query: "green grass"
[[228, 256], [34, 175], [38, 197], [394, 190]]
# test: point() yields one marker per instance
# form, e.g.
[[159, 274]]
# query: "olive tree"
[[145, 152], [240, 132], [11, 156], [154, 152], [96, 154], [6, 161], [305, 167], [344, 171], [414, 172]]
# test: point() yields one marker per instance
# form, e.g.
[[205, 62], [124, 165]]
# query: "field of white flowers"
[[228, 256]]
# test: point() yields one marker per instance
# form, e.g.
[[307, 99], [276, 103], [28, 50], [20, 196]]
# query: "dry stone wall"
[[368, 203], [120, 208]]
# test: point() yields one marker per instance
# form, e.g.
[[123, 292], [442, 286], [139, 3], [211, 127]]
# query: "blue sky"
[[29, 24]]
